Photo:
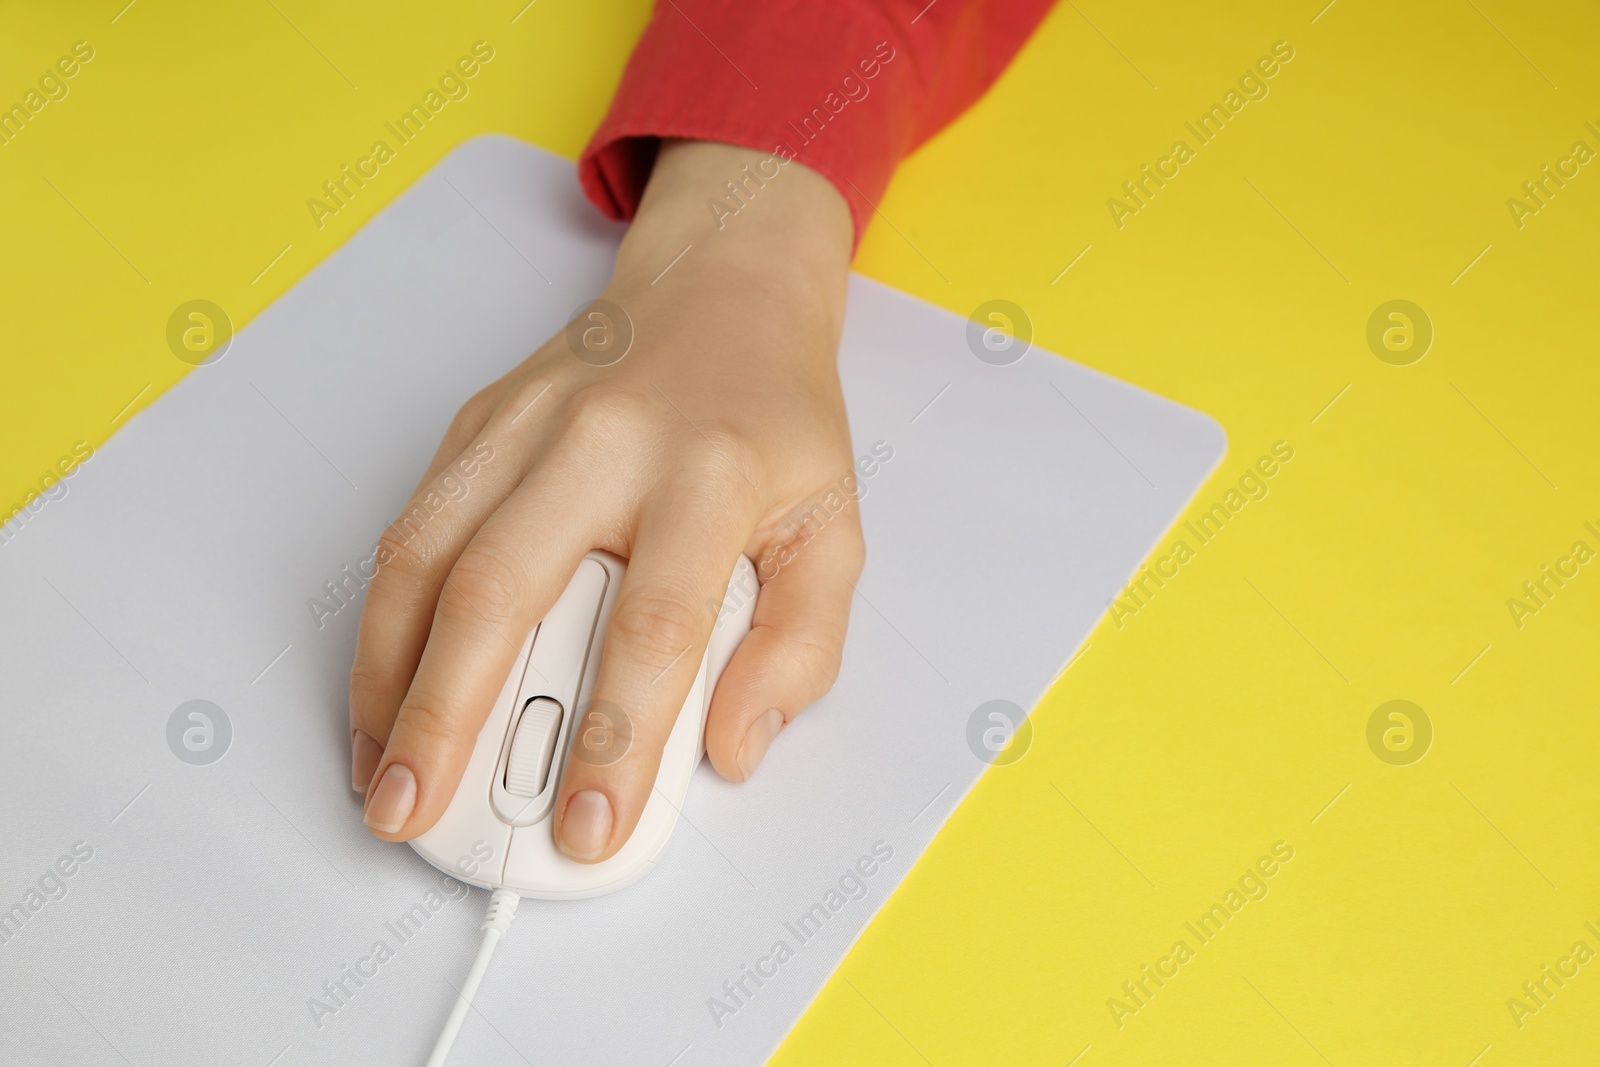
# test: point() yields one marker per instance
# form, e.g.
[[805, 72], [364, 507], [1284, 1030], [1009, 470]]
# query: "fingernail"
[[757, 739], [393, 800], [587, 827], [365, 755]]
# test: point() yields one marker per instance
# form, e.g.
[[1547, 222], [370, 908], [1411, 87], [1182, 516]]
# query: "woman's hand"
[[720, 431]]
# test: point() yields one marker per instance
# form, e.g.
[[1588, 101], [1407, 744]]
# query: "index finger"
[[505, 579]]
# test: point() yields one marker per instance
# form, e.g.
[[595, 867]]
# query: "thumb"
[[791, 656]]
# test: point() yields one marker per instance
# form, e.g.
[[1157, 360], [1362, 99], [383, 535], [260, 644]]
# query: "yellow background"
[[1227, 713]]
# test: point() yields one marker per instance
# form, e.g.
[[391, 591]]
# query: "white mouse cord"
[[502, 909]]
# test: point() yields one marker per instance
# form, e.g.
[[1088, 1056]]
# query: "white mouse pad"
[[162, 905]]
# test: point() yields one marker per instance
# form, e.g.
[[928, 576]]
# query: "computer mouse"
[[497, 832]]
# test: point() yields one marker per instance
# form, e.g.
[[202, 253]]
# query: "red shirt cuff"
[[791, 78], [846, 87]]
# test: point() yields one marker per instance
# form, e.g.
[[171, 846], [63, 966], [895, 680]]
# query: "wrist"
[[740, 209]]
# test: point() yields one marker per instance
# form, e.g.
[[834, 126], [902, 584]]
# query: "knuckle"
[[367, 688], [657, 626], [521, 398], [719, 474], [484, 584], [474, 413], [821, 659], [602, 415], [402, 550], [432, 725], [721, 452], [854, 553]]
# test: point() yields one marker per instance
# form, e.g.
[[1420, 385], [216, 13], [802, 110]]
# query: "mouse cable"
[[502, 909]]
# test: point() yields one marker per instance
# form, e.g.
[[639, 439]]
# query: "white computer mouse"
[[497, 831]]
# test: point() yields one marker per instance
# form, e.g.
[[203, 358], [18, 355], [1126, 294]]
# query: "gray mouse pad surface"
[[200, 890]]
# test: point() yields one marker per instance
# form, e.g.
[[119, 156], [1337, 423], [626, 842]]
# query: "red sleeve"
[[847, 87]]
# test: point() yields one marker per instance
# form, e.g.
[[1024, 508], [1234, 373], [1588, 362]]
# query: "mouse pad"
[[184, 861]]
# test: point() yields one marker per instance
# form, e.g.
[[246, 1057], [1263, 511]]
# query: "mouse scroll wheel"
[[533, 747]]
